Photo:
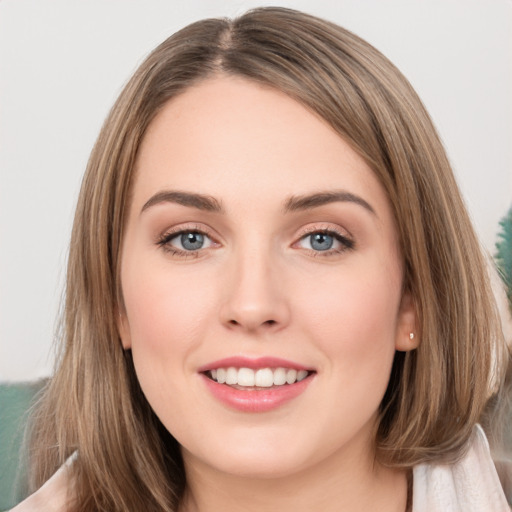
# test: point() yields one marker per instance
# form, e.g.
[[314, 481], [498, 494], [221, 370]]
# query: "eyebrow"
[[193, 200], [293, 204], [307, 202]]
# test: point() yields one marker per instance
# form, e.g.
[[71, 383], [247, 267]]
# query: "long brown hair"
[[93, 404]]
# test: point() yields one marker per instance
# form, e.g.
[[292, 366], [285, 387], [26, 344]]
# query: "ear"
[[407, 336], [123, 328]]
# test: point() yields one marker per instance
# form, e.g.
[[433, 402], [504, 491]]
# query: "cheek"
[[353, 314], [168, 314], [166, 310]]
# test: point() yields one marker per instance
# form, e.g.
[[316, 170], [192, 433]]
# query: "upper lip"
[[253, 363]]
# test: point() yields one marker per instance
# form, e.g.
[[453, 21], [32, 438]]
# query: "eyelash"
[[347, 244], [165, 239]]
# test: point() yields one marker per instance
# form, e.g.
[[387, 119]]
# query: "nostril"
[[236, 323]]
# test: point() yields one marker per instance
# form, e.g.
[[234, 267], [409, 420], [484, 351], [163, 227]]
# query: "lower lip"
[[260, 400]]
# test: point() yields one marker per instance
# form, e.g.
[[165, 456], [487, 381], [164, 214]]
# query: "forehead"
[[232, 138]]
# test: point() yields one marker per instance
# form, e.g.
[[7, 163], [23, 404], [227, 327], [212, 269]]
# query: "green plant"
[[504, 254]]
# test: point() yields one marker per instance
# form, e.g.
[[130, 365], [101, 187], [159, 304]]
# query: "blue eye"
[[327, 242], [185, 241], [191, 241], [321, 241]]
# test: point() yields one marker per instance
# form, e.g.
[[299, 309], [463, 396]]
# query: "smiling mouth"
[[263, 378]]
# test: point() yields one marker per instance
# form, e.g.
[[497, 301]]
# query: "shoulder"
[[51, 497], [470, 485]]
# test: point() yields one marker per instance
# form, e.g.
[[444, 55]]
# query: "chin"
[[257, 456], [259, 468]]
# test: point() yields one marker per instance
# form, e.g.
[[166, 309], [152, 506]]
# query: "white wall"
[[62, 63]]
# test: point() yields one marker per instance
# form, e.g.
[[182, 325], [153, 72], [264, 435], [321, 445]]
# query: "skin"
[[258, 288]]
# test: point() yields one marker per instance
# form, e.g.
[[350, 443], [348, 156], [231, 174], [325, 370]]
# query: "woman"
[[275, 298]]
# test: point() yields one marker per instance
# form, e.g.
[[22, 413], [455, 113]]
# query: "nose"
[[255, 298]]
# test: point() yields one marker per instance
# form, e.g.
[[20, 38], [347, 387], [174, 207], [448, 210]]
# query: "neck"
[[337, 484]]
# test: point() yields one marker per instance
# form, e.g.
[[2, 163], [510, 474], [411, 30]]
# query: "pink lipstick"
[[255, 385]]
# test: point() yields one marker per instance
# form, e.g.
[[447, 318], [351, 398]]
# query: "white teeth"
[[279, 377], [221, 375], [301, 375], [232, 376], [291, 376], [246, 377], [262, 378]]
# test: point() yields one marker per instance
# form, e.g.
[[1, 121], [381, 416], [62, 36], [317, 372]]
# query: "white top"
[[470, 485], [51, 497]]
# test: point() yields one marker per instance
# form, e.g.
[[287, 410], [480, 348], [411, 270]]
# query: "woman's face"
[[260, 249]]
